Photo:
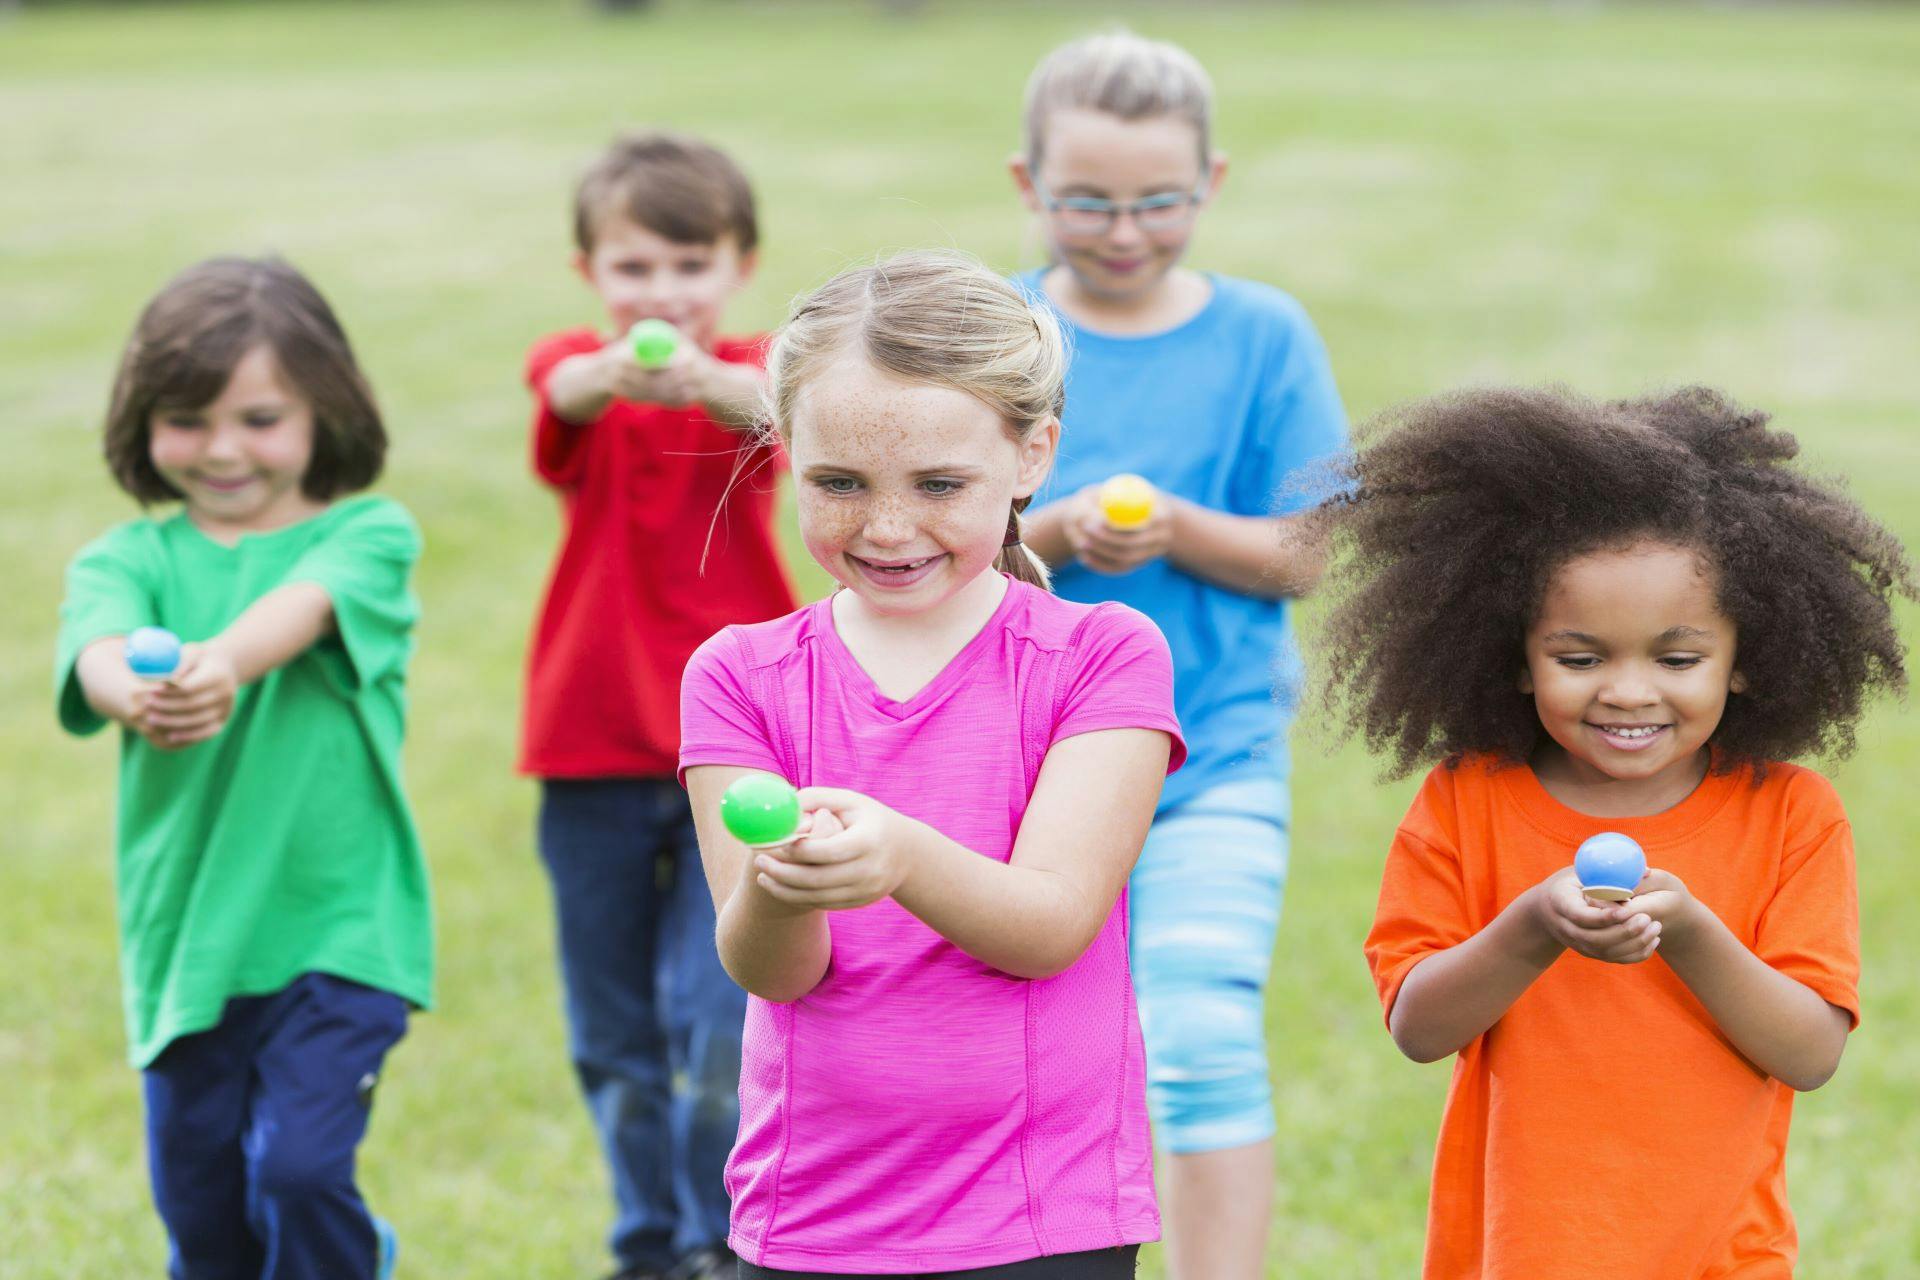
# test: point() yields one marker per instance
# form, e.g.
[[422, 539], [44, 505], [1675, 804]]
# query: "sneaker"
[[389, 1248], [715, 1262]]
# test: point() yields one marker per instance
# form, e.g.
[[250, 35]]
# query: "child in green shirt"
[[274, 920]]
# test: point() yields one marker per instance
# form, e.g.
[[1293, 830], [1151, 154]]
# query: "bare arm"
[[1780, 1025], [1032, 916], [1456, 994], [193, 704], [1269, 557], [1036, 914], [582, 386], [109, 685], [774, 949], [196, 701]]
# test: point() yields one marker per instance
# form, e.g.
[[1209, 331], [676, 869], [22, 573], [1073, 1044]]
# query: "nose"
[[1630, 689], [1125, 231], [888, 526], [224, 443]]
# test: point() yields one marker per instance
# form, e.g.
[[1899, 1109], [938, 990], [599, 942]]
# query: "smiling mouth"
[[225, 484], [894, 566], [1628, 737]]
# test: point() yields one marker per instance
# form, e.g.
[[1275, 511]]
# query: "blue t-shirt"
[[1231, 410]]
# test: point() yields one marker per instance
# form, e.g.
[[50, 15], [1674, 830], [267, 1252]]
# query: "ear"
[[580, 267], [749, 263], [1216, 174], [1023, 181], [1036, 457], [1525, 682], [1738, 684]]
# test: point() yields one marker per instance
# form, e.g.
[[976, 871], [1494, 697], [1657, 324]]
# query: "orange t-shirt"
[[1605, 1125]]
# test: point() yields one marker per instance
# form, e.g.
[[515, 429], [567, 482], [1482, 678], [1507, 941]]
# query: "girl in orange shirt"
[[1611, 617]]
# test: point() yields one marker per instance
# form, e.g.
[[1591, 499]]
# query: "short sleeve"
[[1422, 908], [720, 720], [1302, 427], [365, 565], [1810, 929], [113, 587], [1119, 675], [559, 446]]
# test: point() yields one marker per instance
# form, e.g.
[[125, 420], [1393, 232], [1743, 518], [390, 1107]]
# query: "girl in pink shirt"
[[942, 1067]]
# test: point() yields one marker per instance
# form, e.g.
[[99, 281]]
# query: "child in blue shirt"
[[1217, 391]]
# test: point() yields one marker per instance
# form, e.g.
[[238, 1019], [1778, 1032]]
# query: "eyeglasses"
[[1091, 216]]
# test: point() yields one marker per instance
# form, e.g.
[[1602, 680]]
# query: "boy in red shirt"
[[668, 495]]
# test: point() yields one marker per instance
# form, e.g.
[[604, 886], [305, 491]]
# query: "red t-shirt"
[[1605, 1125], [669, 537]]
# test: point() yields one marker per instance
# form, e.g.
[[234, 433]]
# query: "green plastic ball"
[[761, 810], [653, 342]]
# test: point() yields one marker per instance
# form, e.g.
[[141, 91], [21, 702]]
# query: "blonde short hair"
[[937, 317], [1124, 75]]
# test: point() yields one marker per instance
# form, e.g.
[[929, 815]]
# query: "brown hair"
[[199, 326], [933, 317], [1461, 508], [674, 185]]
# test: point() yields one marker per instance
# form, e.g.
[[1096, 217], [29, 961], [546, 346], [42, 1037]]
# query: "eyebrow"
[[1669, 636], [954, 469]]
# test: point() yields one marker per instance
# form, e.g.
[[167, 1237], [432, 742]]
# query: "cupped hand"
[[854, 852], [1105, 549], [1616, 932], [195, 702]]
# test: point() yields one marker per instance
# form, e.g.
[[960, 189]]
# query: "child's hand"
[[854, 852], [1664, 898], [676, 384], [1619, 933], [194, 703], [1105, 549]]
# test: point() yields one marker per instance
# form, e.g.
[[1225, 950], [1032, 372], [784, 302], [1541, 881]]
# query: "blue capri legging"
[[1204, 905]]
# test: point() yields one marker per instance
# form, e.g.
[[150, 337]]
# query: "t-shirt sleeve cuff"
[[733, 755], [77, 715]]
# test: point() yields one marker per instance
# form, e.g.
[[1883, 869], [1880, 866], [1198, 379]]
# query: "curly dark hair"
[[1455, 512]]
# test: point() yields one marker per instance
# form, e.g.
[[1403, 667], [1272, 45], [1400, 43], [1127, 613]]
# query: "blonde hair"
[[1121, 74], [937, 317]]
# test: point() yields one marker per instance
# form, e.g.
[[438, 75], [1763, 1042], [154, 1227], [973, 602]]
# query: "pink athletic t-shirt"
[[919, 1110]]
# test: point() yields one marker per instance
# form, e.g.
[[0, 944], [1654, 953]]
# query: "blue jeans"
[[252, 1127], [654, 1022]]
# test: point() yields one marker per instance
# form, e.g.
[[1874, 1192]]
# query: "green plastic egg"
[[653, 342], [761, 809]]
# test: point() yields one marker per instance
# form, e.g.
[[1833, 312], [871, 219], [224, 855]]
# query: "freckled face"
[[904, 488], [1630, 663]]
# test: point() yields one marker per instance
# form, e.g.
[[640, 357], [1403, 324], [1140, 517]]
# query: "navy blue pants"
[[251, 1132], [654, 1022]]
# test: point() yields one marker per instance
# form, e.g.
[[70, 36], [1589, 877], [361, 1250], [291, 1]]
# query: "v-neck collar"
[[956, 670]]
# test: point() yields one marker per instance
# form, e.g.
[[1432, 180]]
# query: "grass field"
[[1617, 199]]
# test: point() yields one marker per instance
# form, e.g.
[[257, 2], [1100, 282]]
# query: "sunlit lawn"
[[1620, 200]]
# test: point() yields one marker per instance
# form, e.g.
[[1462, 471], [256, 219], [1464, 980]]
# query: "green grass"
[[1620, 199]]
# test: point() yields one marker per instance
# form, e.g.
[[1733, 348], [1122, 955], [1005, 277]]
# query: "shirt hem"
[[1008, 1249], [143, 1052]]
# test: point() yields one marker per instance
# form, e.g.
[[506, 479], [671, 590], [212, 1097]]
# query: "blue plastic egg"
[[153, 652], [1610, 860]]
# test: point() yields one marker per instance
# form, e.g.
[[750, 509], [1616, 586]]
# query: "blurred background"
[[1616, 198]]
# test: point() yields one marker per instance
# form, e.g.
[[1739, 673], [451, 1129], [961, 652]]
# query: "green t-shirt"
[[283, 845]]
